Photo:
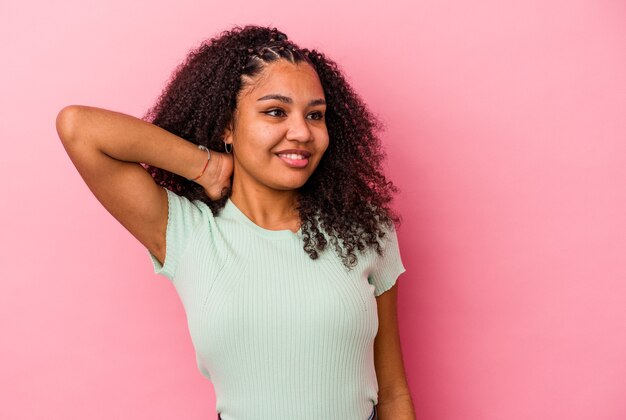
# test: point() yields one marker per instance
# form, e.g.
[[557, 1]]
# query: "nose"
[[299, 129]]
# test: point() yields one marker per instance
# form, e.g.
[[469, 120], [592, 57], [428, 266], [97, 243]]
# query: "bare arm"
[[106, 148], [394, 399]]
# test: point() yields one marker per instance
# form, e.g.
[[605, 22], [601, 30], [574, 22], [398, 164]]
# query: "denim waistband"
[[373, 416]]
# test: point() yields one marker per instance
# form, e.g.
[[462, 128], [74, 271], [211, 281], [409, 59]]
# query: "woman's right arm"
[[106, 148]]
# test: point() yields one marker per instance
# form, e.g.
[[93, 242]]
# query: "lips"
[[293, 160], [300, 152]]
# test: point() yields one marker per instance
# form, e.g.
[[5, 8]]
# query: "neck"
[[271, 209]]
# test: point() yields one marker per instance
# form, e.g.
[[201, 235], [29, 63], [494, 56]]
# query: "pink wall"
[[506, 129]]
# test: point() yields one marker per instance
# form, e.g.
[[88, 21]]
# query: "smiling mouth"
[[293, 160]]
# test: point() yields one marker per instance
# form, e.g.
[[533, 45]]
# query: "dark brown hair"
[[347, 197]]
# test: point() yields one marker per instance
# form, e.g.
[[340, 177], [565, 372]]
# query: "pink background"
[[506, 133]]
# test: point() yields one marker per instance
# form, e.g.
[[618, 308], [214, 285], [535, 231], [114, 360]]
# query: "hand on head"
[[217, 178]]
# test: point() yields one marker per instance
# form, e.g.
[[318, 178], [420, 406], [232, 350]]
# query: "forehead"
[[298, 80]]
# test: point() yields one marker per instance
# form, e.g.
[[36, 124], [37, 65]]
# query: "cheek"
[[325, 142], [257, 145]]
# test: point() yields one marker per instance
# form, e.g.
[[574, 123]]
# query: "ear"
[[227, 137]]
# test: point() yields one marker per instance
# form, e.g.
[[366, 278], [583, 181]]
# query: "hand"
[[216, 178]]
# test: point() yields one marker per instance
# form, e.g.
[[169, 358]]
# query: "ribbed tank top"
[[280, 336]]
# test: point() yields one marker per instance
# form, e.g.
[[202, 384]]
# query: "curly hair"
[[347, 196]]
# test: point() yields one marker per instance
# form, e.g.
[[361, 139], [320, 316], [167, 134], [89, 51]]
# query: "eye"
[[275, 112], [318, 115]]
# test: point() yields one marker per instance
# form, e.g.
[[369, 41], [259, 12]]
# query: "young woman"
[[262, 198]]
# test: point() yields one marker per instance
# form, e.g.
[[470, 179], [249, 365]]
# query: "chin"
[[287, 186]]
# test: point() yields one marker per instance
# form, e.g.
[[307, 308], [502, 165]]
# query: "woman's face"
[[281, 109]]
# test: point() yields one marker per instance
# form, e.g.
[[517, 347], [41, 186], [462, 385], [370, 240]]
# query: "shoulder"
[[187, 216], [186, 204], [386, 268]]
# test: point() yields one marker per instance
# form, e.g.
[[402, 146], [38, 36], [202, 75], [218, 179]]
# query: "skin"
[[394, 398], [264, 187]]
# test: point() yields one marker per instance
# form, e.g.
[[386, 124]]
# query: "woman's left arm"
[[394, 398]]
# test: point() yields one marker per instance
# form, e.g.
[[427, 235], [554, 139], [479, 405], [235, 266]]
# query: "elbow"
[[66, 122]]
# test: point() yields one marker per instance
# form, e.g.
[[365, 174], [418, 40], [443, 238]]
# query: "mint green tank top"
[[280, 336]]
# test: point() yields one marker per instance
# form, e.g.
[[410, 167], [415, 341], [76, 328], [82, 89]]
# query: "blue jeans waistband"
[[373, 416]]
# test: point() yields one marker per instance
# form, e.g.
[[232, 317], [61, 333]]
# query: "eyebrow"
[[288, 100]]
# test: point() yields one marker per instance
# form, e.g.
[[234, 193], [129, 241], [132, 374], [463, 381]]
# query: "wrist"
[[201, 167]]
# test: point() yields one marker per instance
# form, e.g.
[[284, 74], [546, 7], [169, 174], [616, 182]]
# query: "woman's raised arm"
[[106, 148]]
